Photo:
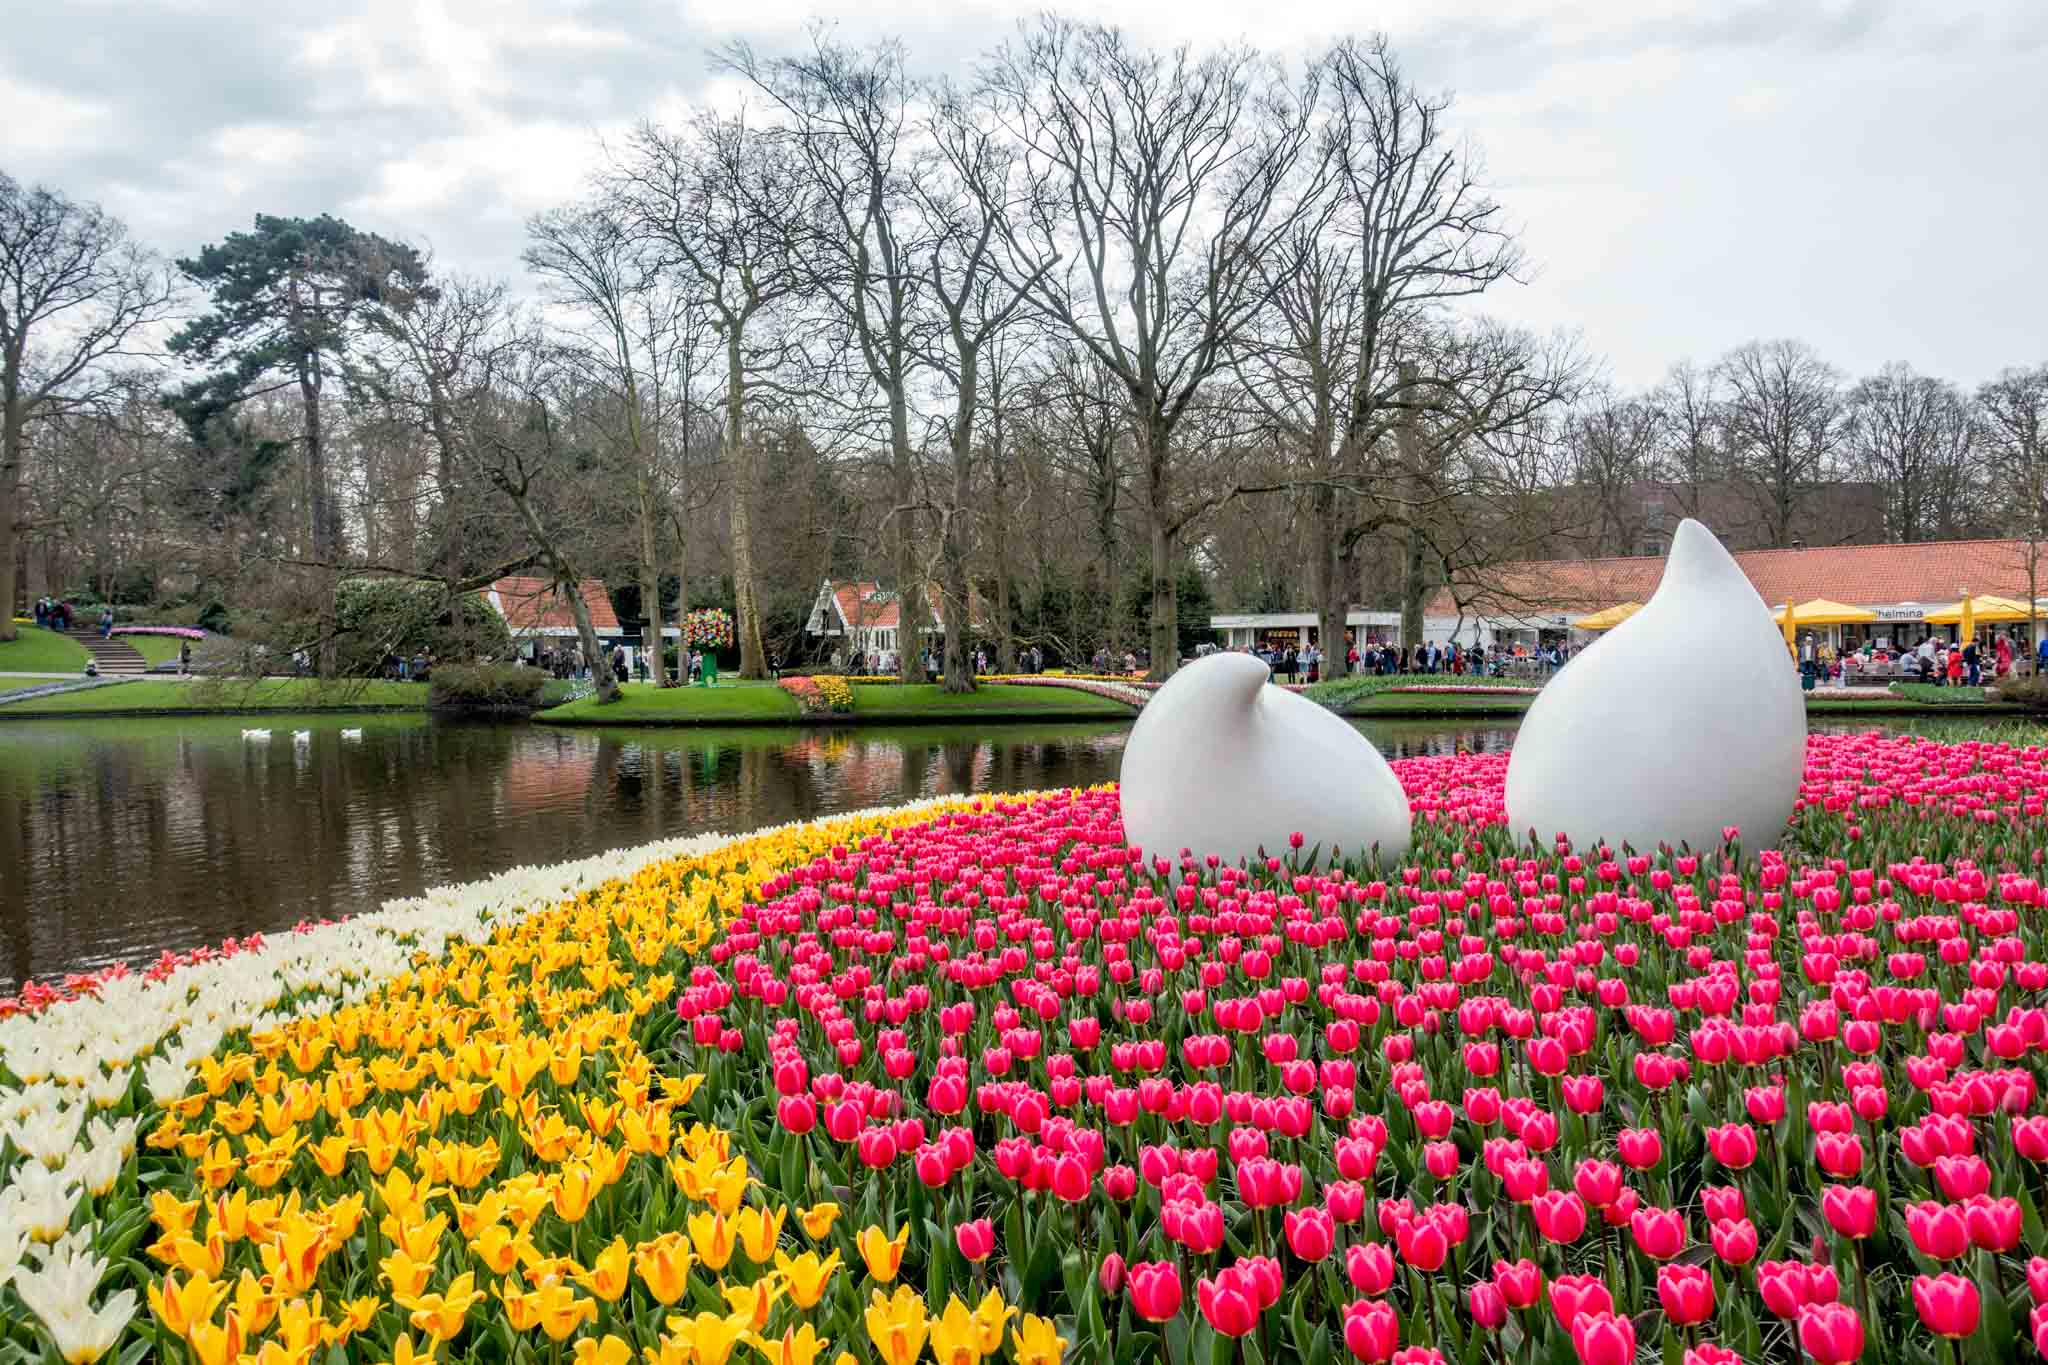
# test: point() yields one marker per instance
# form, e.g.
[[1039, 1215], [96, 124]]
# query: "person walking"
[[1973, 664], [2003, 663]]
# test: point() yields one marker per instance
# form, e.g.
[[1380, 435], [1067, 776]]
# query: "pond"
[[120, 838]]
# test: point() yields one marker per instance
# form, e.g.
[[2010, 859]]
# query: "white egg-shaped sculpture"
[[1680, 722], [1220, 763]]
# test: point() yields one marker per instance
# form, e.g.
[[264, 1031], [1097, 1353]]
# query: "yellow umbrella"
[[1982, 607], [1824, 611], [1790, 616], [1609, 618]]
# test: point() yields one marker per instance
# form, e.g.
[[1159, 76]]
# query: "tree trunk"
[[325, 518], [601, 667], [1411, 590], [999, 610], [740, 461], [1165, 615], [650, 578], [911, 601], [13, 428], [959, 622], [682, 598], [1332, 585]]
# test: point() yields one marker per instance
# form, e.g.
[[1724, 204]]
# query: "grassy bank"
[[157, 649], [1503, 702], [37, 650], [927, 701], [767, 704], [209, 696], [1348, 691], [729, 703]]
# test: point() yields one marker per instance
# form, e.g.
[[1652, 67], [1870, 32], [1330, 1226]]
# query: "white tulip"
[[44, 1200], [49, 1134]]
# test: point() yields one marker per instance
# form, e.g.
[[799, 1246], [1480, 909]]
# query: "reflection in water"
[[121, 838]]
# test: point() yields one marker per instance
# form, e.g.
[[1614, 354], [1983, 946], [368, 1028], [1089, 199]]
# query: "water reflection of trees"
[[118, 840]]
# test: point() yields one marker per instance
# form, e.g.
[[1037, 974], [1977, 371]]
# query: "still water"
[[120, 838]]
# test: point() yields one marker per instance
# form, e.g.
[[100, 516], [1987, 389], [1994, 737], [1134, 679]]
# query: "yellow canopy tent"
[[1981, 607], [1609, 618], [1823, 611]]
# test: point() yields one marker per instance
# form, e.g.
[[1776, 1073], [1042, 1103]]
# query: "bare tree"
[[1163, 178], [2013, 408], [1690, 457], [75, 293], [591, 262], [1783, 419], [1912, 434], [514, 445], [1417, 231], [723, 200], [1613, 449]]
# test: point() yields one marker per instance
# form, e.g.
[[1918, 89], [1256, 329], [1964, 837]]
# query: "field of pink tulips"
[[1502, 1102]]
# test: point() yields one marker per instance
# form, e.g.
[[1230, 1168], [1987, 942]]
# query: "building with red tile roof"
[[1901, 583], [534, 606], [868, 616]]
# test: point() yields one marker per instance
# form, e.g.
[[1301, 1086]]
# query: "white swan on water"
[[351, 734], [256, 736]]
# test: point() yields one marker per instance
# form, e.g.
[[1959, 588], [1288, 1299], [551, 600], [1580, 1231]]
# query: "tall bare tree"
[[1613, 446], [1162, 178], [1783, 417], [1690, 457], [1912, 434], [725, 202], [76, 292], [636, 340], [2013, 408]]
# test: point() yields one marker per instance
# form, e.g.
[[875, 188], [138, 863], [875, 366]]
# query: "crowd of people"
[[1940, 662], [1304, 663]]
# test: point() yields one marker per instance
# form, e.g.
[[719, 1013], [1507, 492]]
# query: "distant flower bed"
[[178, 632], [823, 695]]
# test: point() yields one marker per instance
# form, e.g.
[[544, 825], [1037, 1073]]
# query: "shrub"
[[485, 687], [2031, 693]]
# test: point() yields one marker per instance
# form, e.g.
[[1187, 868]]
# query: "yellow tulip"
[[713, 1238], [817, 1220], [421, 1239], [219, 1166], [254, 1306], [402, 1352], [293, 1257], [990, 1316], [330, 1154], [405, 1275], [498, 1248], [806, 1276], [709, 1336], [664, 1266], [956, 1337], [1037, 1341], [610, 1351], [607, 1276], [759, 1230], [574, 1186], [799, 1346], [179, 1306], [441, 1316], [220, 1345], [559, 1312], [897, 1325], [883, 1254], [752, 1301]]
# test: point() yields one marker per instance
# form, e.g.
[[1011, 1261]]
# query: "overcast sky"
[[1864, 174]]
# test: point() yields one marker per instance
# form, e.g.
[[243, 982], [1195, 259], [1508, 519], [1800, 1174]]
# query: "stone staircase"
[[116, 657]]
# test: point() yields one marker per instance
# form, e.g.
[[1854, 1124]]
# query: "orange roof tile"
[[532, 604], [1929, 572], [866, 604]]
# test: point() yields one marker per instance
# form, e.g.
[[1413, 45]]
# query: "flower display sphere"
[[1682, 722], [1220, 763]]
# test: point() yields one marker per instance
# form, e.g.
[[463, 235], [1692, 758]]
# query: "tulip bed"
[[980, 1081]]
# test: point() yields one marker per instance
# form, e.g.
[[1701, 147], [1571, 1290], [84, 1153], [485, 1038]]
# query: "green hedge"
[[485, 687]]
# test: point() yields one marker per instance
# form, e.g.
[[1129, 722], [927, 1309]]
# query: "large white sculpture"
[[1221, 763], [1683, 720]]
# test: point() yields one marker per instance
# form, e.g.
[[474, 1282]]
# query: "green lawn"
[[1338, 692], [733, 703], [220, 694], [882, 701], [646, 704], [1433, 703], [158, 649], [1931, 695], [41, 651]]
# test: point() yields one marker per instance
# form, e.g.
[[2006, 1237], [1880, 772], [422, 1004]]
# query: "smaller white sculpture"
[[1683, 720], [1221, 763]]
